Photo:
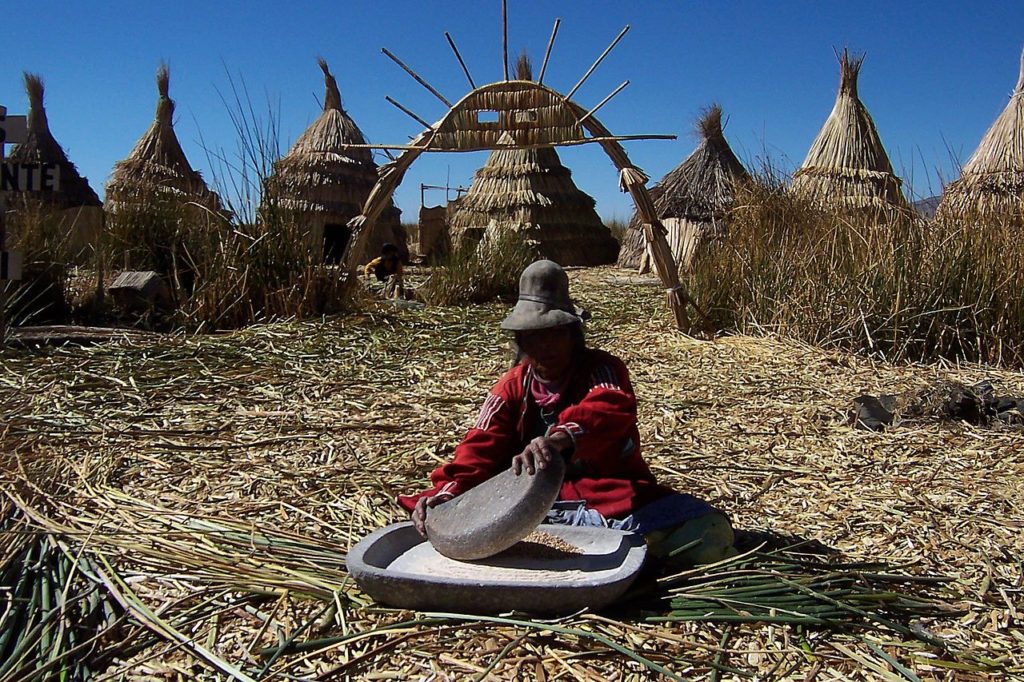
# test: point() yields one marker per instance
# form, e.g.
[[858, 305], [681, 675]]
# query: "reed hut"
[[530, 192], [157, 169], [322, 182], [992, 182], [692, 200], [847, 168], [79, 208]]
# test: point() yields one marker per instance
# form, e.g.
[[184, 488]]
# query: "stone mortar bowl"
[[494, 515], [397, 567]]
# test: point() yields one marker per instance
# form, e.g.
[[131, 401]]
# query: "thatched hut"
[[692, 199], [992, 182], [80, 210], [323, 183], [157, 169], [530, 192], [847, 168]]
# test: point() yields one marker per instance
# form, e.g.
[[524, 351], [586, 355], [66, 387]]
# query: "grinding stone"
[[494, 515], [397, 567]]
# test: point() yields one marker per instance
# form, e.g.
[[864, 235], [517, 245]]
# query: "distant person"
[[387, 268], [563, 399]]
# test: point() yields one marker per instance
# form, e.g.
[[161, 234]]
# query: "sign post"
[[13, 130]]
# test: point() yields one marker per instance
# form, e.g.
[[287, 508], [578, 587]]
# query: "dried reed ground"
[[285, 425]]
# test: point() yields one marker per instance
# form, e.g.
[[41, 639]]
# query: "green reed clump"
[[477, 273], [894, 286]]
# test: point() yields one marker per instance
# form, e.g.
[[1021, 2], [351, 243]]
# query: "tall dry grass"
[[898, 287], [43, 237]]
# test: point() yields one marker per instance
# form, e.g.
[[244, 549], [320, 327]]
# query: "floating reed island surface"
[[191, 500]]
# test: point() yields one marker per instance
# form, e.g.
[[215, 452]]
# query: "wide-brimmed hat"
[[543, 299]]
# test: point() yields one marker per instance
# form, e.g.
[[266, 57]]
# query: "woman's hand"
[[539, 452], [419, 512]]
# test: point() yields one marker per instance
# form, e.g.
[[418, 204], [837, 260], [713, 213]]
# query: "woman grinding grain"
[[563, 399]]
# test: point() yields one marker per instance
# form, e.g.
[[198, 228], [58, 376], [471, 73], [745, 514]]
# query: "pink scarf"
[[547, 394]]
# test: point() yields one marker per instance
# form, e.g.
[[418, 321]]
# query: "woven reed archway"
[[520, 114]]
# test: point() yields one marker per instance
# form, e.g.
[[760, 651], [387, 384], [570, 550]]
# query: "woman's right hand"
[[419, 512]]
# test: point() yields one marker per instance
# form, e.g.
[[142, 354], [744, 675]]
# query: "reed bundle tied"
[[847, 167]]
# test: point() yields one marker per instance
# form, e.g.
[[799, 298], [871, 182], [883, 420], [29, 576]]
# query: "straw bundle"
[[847, 167], [157, 167], [324, 181], [692, 199], [992, 182], [529, 191]]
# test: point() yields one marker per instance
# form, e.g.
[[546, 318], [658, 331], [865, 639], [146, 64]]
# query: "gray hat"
[[543, 299]]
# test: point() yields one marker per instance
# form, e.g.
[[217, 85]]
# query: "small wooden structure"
[[432, 238], [140, 291], [847, 168], [692, 200], [992, 182]]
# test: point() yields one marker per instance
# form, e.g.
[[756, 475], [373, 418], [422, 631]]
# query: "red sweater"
[[606, 469]]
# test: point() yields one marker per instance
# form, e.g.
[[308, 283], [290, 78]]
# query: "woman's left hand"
[[539, 452]]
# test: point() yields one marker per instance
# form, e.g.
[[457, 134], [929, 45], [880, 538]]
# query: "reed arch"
[[522, 114]]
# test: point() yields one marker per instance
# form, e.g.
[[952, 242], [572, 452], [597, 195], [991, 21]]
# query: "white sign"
[[13, 129], [29, 177], [10, 265]]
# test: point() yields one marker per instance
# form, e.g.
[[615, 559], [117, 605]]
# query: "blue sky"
[[936, 74]]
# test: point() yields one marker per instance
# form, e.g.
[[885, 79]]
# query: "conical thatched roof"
[[325, 180], [530, 191], [992, 182], [41, 147], [847, 167], [157, 166], [699, 190]]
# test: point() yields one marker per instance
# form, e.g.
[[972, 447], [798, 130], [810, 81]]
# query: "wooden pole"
[[504, 36], [458, 56], [547, 52], [416, 77], [3, 234], [600, 59], [604, 101], [405, 111]]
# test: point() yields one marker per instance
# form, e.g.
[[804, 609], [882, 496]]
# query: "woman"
[[562, 399]]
